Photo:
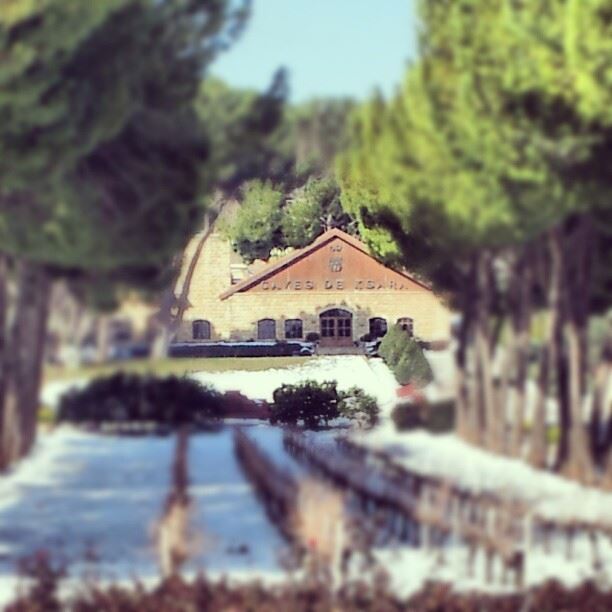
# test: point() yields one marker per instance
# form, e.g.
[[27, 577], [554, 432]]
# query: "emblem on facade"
[[335, 264]]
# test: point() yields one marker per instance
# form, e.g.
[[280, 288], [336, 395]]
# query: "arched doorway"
[[336, 325]]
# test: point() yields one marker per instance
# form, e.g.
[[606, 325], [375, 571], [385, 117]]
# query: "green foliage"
[[269, 220], [405, 358], [101, 153], [132, 398], [393, 344], [311, 403], [258, 136], [293, 154], [247, 131], [255, 231], [39, 87], [357, 405], [302, 219], [320, 131], [312, 209], [493, 138], [436, 417], [308, 402]]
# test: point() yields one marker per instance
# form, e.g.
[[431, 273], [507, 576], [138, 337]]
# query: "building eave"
[[292, 258]]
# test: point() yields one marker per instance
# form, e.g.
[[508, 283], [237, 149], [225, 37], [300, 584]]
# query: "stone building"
[[333, 288]]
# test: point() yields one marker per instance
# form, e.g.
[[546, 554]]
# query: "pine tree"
[[101, 156]]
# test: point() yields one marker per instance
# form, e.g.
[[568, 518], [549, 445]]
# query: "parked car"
[[255, 348], [371, 347], [307, 349]]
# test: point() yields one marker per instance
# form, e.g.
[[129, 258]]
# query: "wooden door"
[[336, 327]]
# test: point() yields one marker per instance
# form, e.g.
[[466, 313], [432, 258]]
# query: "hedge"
[[311, 404], [133, 398], [436, 417], [405, 357]]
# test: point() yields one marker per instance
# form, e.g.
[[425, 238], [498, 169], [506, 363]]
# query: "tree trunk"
[[578, 462], [601, 417], [462, 396], [538, 451], [489, 432], [24, 359], [161, 342], [578, 465], [558, 359], [173, 540], [538, 444], [103, 340], [520, 324], [3, 352], [563, 401]]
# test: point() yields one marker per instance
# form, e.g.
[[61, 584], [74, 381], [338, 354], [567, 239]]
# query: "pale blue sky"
[[330, 47]]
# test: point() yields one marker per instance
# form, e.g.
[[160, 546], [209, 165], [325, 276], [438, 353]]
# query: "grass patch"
[[177, 366]]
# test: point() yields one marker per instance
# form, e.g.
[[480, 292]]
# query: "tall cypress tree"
[[493, 157]]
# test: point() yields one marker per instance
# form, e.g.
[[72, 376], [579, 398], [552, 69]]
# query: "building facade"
[[333, 288]]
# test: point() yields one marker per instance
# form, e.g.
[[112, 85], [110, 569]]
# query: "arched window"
[[378, 327], [266, 329], [407, 324], [293, 328], [337, 312], [201, 329]]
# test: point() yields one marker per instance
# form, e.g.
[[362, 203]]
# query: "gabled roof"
[[292, 258]]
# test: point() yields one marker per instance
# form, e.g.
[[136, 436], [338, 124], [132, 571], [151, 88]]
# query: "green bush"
[[393, 344], [311, 403], [405, 358], [132, 398], [357, 405], [436, 417], [308, 402]]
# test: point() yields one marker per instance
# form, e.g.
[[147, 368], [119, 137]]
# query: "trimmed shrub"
[[405, 358], [436, 417], [313, 337], [311, 404], [132, 398], [357, 405], [308, 402], [393, 344]]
